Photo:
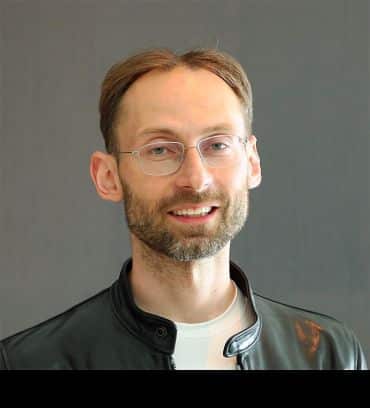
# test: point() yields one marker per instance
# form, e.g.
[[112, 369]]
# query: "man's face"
[[178, 106]]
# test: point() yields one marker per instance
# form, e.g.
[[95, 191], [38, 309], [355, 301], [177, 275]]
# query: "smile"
[[194, 215], [196, 212]]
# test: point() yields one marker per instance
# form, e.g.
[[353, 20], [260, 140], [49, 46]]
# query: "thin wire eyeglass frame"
[[136, 153]]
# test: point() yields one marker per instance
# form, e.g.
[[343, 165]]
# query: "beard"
[[147, 221]]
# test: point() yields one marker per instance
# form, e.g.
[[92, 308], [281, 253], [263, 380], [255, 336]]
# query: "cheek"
[[242, 173], [233, 179], [144, 187], [150, 190]]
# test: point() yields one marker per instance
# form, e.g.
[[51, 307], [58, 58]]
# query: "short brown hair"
[[124, 73]]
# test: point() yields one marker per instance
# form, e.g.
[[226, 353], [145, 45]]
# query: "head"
[[159, 96]]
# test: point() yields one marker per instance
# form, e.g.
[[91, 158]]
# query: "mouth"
[[194, 215]]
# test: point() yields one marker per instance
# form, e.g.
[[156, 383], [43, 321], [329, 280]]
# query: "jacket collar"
[[159, 332]]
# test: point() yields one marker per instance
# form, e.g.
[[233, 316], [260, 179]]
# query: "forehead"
[[187, 99]]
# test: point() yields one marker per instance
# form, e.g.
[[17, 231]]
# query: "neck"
[[189, 292]]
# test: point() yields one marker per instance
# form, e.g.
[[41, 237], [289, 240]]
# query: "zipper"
[[172, 363], [241, 364]]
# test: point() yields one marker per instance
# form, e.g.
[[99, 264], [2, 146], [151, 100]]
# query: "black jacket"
[[108, 331]]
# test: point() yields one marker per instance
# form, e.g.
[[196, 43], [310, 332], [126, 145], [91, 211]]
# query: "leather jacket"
[[108, 331]]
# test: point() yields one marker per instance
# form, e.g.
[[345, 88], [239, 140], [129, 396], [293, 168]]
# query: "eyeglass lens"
[[161, 158]]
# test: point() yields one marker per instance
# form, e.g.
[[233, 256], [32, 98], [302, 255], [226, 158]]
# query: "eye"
[[219, 146], [158, 151]]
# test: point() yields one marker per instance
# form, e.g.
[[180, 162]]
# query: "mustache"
[[190, 197]]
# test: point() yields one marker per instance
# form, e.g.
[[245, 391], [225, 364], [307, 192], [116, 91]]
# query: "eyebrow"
[[171, 132]]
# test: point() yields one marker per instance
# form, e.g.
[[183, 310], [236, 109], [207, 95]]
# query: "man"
[[182, 157]]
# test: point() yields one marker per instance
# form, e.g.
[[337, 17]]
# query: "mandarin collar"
[[160, 333]]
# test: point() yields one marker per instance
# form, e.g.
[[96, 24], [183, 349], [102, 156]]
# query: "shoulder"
[[46, 341], [283, 315], [273, 308], [317, 333]]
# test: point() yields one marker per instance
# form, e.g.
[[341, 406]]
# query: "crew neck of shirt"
[[199, 327]]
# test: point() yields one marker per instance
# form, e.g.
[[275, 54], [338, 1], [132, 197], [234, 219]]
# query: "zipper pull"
[[172, 363], [239, 363]]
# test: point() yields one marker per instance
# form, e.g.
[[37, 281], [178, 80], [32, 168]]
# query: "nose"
[[193, 173]]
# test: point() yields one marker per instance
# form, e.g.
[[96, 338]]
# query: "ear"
[[104, 174], [254, 166]]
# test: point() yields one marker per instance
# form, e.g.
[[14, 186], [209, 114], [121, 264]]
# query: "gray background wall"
[[307, 239]]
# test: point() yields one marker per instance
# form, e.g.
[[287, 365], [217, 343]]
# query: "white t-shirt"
[[199, 346]]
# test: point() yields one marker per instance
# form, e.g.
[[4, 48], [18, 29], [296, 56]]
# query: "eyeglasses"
[[164, 158]]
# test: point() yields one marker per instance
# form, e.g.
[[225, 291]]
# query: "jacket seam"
[[358, 356], [297, 307], [116, 314], [4, 356], [357, 359], [122, 323]]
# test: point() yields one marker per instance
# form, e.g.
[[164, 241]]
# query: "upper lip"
[[192, 206]]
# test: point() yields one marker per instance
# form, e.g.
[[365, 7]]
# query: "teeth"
[[194, 212]]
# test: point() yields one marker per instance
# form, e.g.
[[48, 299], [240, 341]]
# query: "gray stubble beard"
[[199, 242]]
